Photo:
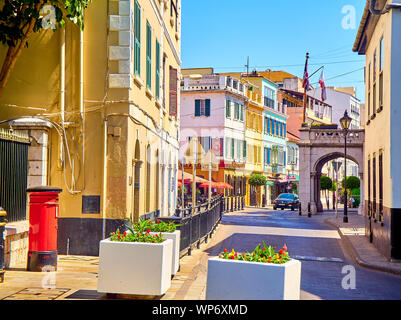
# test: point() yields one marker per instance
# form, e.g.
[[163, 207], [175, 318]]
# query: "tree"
[[257, 180], [19, 19], [326, 184], [352, 184]]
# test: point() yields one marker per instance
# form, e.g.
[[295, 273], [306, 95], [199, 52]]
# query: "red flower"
[[264, 249], [147, 231], [225, 250], [285, 247], [125, 233], [158, 221], [281, 252], [232, 257]]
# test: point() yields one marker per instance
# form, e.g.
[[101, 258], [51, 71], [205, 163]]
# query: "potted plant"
[[135, 263], [263, 274], [167, 230]]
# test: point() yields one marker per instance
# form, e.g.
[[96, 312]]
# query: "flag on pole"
[[305, 83], [323, 86]]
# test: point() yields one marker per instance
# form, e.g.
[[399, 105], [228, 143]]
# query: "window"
[[232, 148], [374, 187], [173, 91], [202, 108], [228, 109], [206, 143], [369, 187], [236, 111], [369, 75], [381, 74], [381, 186], [137, 40], [148, 56], [157, 69], [272, 125], [242, 113]]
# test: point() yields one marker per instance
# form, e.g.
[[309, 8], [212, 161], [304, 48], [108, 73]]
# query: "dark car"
[[286, 201]]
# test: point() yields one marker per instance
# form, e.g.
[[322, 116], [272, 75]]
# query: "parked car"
[[286, 201]]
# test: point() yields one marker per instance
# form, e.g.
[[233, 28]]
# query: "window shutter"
[[232, 148], [228, 109], [137, 47], [197, 108], [244, 151], [207, 108], [157, 69], [148, 56], [173, 91]]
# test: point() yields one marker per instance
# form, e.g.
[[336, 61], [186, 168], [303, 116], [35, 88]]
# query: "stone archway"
[[317, 173], [317, 147]]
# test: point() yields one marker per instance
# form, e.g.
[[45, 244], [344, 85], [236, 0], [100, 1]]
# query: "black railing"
[[13, 174], [196, 224]]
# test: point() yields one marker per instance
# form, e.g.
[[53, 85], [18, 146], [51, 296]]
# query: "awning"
[[188, 178]]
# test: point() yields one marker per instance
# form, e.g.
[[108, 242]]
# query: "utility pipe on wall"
[[81, 102], [385, 10]]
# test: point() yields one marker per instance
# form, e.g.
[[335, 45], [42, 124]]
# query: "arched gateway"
[[317, 147]]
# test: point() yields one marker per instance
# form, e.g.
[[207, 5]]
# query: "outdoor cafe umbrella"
[[206, 185], [188, 178], [223, 185]]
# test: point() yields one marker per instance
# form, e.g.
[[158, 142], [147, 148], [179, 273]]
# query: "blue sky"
[[275, 35]]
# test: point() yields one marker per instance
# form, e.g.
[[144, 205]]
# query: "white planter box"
[[135, 268], [175, 236], [242, 280]]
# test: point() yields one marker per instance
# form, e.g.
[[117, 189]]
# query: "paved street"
[[308, 239], [317, 244]]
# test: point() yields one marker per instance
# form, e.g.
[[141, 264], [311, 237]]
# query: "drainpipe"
[[62, 93], [81, 102], [386, 8], [62, 76], [104, 178]]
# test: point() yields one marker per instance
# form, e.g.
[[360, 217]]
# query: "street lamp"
[[345, 123]]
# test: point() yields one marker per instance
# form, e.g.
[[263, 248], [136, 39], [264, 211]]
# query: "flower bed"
[[263, 274], [135, 263], [167, 231]]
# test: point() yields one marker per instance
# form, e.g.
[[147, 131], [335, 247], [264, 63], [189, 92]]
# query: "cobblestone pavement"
[[316, 243]]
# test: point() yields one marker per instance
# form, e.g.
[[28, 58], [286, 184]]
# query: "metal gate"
[[13, 173]]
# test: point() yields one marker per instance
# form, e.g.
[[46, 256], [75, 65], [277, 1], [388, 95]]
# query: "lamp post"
[[345, 123]]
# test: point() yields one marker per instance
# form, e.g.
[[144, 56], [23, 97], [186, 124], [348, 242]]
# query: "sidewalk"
[[364, 252]]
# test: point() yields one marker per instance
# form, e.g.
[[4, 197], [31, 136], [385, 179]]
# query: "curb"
[[356, 256]]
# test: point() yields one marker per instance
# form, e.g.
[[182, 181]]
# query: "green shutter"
[[148, 56], [207, 108], [232, 148], [197, 108], [228, 109], [157, 69], [244, 151], [137, 44]]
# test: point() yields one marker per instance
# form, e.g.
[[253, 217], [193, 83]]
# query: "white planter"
[[242, 280], [175, 236], [135, 268]]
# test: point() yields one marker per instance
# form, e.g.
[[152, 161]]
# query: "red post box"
[[43, 212]]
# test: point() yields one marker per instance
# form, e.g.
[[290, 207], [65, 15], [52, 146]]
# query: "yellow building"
[[378, 38], [104, 107]]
